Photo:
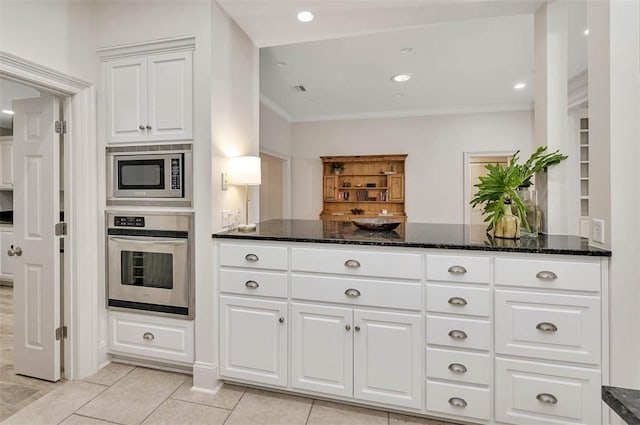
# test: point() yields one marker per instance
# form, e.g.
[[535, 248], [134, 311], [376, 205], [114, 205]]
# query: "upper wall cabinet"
[[149, 96]]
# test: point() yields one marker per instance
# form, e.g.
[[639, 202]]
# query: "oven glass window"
[[150, 269], [141, 174]]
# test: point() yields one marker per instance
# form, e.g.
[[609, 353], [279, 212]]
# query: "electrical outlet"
[[597, 230], [227, 219]]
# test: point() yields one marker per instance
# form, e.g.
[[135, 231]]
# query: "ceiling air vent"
[[299, 89]]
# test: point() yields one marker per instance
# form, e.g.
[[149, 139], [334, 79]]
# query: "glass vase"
[[532, 220]]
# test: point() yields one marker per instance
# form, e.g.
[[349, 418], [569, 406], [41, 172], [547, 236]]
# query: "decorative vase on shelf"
[[508, 227], [531, 223]]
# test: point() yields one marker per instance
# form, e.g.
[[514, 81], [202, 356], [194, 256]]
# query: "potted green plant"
[[337, 167], [497, 191]]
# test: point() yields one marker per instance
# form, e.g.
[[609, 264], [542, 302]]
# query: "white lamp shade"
[[245, 170]]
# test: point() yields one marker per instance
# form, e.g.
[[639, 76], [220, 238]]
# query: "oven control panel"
[[128, 221], [176, 179]]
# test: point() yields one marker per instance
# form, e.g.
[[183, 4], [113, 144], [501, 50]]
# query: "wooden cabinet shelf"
[[372, 183]]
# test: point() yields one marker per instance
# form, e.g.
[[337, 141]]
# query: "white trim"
[[164, 45], [274, 107], [205, 377], [210, 392], [578, 90]]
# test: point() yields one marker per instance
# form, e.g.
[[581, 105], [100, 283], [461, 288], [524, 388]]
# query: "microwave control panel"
[[176, 178], [128, 221]]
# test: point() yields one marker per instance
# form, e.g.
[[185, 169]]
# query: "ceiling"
[[9, 91], [466, 55]]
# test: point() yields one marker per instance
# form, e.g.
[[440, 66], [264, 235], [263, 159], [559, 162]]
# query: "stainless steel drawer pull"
[[547, 398], [457, 301], [457, 270], [352, 264], [141, 127], [457, 334], [347, 327], [457, 368], [352, 293], [546, 327], [251, 284], [252, 258], [357, 328], [148, 336], [458, 402], [546, 275], [281, 320]]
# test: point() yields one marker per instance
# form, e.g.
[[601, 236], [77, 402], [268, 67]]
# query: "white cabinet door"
[[253, 340], [126, 100], [6, 262], [387, 358], [322, 347], [6, 164], [170, 96]]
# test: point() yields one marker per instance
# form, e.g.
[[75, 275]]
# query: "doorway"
[[272, 189], [475, 167]]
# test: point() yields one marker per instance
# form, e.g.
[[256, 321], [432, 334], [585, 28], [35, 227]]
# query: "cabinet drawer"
[[148, 336], [549, 326], [254, 256], [535, 393], [471, 333], [371, 292], [458, 300], [248, 282], [458, 268], [459, 400], [459, 366], [564, 275], [357, 263]]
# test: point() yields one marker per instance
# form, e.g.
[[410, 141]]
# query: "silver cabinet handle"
[[148, 336], [352, 264], [546, 275], [11, 252], [352, 293], [457, 270], [251, 284], [357, 328], [252, 258], [141, 127], [14, 251], [546, 327], [547, 398], [148, 127], [347, 327], [458, 402], [457, 368], [457, 301], [457, 334], [281, 320]]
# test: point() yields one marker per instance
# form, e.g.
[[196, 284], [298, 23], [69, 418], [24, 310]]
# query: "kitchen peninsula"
[[431, 319]]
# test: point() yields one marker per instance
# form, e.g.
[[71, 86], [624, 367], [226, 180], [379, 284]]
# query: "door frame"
[[286, 180], [81, 347]]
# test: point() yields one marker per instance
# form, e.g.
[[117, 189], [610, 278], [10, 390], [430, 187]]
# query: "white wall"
[[275, 132], [434, 167]]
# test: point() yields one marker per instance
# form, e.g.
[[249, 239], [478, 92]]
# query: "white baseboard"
[[205, 378]]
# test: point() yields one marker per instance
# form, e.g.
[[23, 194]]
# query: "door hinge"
[[61, 332], [61, 229], [61, 127]]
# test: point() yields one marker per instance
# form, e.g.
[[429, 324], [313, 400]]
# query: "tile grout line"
[[87, 402], [162, 402], [234, 407], [91, 417], [313, 402]]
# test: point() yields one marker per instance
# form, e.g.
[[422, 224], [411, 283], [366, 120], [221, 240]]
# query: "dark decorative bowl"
[[376, 223]]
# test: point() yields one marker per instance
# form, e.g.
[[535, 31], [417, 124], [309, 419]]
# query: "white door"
[[126, 100], [253, 340], [322, 349], [387, 358], [37, 253]]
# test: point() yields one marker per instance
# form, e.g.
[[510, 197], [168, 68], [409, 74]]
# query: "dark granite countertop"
[[414, 235], [623, 401]]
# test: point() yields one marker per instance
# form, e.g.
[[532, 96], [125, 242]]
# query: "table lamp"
[[245, 170]]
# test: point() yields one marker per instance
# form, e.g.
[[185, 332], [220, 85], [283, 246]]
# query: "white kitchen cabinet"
[[7, 263], [253, 340], [6, 164], [149, 98]]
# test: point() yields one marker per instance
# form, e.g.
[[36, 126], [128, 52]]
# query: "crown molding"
[[275, 107], [164, 45]]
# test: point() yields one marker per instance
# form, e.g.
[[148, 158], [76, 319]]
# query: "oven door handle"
[[155, 241]]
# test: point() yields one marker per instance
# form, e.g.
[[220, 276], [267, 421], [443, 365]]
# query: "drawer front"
[[548, 326], [458, 268], [459, 400], [148, 336], [249, 282], [357, 263], [563, 275], [371, 293], [455, 332], [464, 367], [254, 256], [534, 393], [458, 300]]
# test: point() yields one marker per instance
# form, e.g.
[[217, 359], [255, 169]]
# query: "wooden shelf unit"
[[370, 182]]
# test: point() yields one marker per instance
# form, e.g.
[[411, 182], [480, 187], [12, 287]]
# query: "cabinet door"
[[126, 100], [170, 100], [322, 347], [330, 188], [253, 340], [7, 263], [396, 187], [6, 164], [387, 358]]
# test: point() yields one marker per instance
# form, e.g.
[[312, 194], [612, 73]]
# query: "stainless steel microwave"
[[149, 175]]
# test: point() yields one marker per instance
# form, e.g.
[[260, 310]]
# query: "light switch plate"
[[227, 219], [597, 230]]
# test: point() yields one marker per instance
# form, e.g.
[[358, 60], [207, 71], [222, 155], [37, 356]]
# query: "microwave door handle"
[[153, 242]]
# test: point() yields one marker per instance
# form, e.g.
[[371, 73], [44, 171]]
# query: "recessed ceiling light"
[[6, 111], [305, 16], [281, 63], [406, 50], [519, 86], [401, 78], [586, 31]]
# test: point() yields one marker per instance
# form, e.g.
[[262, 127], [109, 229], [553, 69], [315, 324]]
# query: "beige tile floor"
[[128, 395]]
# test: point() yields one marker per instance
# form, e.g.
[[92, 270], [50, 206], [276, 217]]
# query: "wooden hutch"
[[365, 186]]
